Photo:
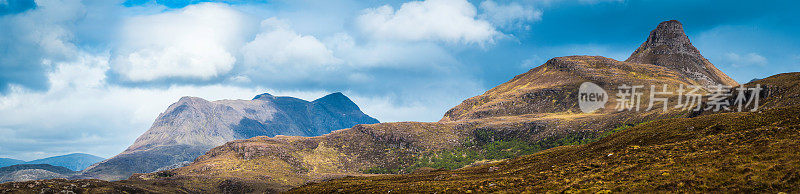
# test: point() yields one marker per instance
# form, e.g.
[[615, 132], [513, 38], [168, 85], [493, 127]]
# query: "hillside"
[[26, 172], [74, 161], [192, 126], [727, 152]]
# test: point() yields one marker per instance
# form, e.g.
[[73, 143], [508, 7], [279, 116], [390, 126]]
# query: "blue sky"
[[90, 76]]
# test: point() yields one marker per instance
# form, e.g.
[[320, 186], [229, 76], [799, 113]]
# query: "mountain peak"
[[264, 95], [337, 99], [667, 39], [335, 95], [668, 46]]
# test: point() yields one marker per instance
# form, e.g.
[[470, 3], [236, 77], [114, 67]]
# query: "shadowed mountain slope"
[[192, 126]]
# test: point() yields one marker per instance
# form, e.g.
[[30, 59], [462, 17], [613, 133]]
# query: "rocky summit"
[[668, 46], [192, 126]]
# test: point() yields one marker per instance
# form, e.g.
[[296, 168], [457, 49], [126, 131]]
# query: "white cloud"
[[198, 41], [749, 59], [31, 41], [425, 103], [390, 54], [281, 54], [512, 15], [452, 21]]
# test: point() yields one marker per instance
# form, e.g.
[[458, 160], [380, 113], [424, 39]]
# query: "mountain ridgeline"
[[74, 161], [9, 162], [192, 126], [63, 166]]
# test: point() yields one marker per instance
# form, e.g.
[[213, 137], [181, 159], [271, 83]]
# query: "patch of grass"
[[381, 170], [492, 149], [165, 174]]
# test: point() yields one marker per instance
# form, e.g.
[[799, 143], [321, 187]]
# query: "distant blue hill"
[[9, 162], [75, 161]]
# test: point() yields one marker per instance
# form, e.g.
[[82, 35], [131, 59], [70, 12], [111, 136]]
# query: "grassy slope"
[[730, 152]]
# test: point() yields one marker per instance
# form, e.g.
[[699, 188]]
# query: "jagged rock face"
[[669, 46], [194, 125]]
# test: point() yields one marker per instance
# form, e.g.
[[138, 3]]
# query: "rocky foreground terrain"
[[527, 134]]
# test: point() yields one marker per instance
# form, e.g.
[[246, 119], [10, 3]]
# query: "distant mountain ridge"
[[9, 162], [192, 126], [74, 161]]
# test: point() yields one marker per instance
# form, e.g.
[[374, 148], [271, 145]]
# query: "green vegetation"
[[494, 148], [379, 170], [165, 174]]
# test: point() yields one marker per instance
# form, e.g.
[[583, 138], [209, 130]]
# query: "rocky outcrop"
[[668, 46]]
